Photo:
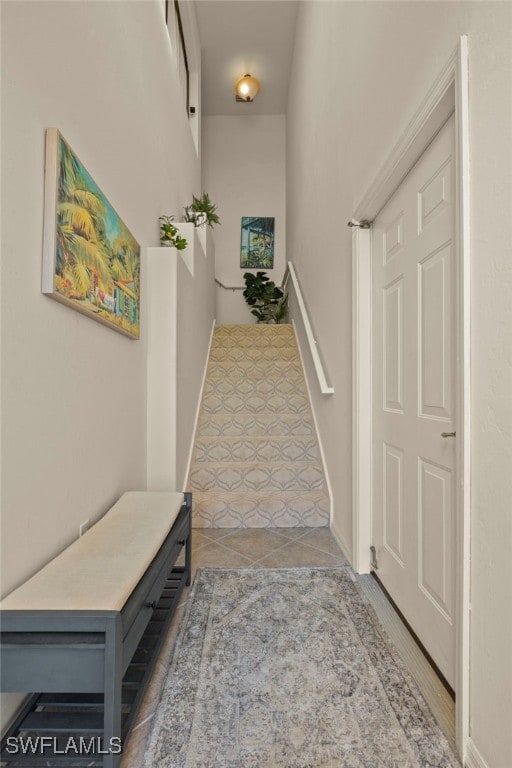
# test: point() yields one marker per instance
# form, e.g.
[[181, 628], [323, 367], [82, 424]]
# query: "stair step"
[[256, 404], [260, 510], [255, 370], [244, 387], [254, 327], [253, 336], [256, 449], [256, 460], [276, 343], [252, 353], [254, 425], [257, 477]]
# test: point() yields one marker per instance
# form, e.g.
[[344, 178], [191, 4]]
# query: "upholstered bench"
[[84, 632]]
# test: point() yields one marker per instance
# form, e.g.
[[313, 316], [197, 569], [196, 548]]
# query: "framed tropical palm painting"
[[257, 242], [91, 261]]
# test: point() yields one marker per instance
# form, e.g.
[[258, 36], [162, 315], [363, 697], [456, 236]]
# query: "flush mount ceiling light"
[[246, 88]]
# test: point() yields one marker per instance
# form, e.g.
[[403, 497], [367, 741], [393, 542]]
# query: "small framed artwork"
[[257, 242], [91, 261]]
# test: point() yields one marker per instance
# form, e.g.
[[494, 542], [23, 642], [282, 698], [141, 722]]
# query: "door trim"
[[449, 93]]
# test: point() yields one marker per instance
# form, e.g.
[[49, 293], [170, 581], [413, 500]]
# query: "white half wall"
[[244, 173], [181, 303], [195, 317], [360, 71], [74, 391], [162, 290]]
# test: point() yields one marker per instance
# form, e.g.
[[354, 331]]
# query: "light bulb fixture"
[[246, 88]]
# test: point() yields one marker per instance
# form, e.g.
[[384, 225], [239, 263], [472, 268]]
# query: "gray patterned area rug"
[[288, 668]]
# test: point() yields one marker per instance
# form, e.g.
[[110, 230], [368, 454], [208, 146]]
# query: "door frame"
[[448, 94]]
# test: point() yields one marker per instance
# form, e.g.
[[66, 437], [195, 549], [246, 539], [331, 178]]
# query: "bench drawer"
[[52, 668]]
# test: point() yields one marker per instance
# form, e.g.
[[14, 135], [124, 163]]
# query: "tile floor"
[[271, 548], [265, 547]]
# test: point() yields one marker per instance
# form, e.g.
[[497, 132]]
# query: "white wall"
[[181, 301], [74, 391], [244, 173], [195, 316], [376, 62]]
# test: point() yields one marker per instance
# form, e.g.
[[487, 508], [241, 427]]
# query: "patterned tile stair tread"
[[254, 425], [256, 404], [261, 510], [226, 388], [279, 449], [258, 477], [265, 353], [253, 335], [252, 370], [256, 460]]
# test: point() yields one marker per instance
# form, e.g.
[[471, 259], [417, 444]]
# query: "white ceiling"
[[246, 36]]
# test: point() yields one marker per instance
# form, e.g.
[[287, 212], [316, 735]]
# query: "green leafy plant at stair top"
[[269, 303], [202, 211], [169, 235]]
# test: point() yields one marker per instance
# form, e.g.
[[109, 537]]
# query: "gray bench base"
[[92, 668]]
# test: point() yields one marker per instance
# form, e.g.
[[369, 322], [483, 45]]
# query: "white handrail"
[[229, 287], [325, 388]]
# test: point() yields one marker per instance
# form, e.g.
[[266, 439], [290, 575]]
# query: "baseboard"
[[347, 551], [319, 440], [198, 409], [473, 757]]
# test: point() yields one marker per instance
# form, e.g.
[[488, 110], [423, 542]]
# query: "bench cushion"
[[100, 570]]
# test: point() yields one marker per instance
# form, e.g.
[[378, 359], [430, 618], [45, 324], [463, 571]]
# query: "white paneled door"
[[414, 483]]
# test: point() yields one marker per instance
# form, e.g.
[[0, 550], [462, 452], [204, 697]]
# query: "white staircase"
[[256, 462]]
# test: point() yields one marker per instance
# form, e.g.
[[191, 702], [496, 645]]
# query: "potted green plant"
[[202, 211], [169, 235], [269, 303]]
